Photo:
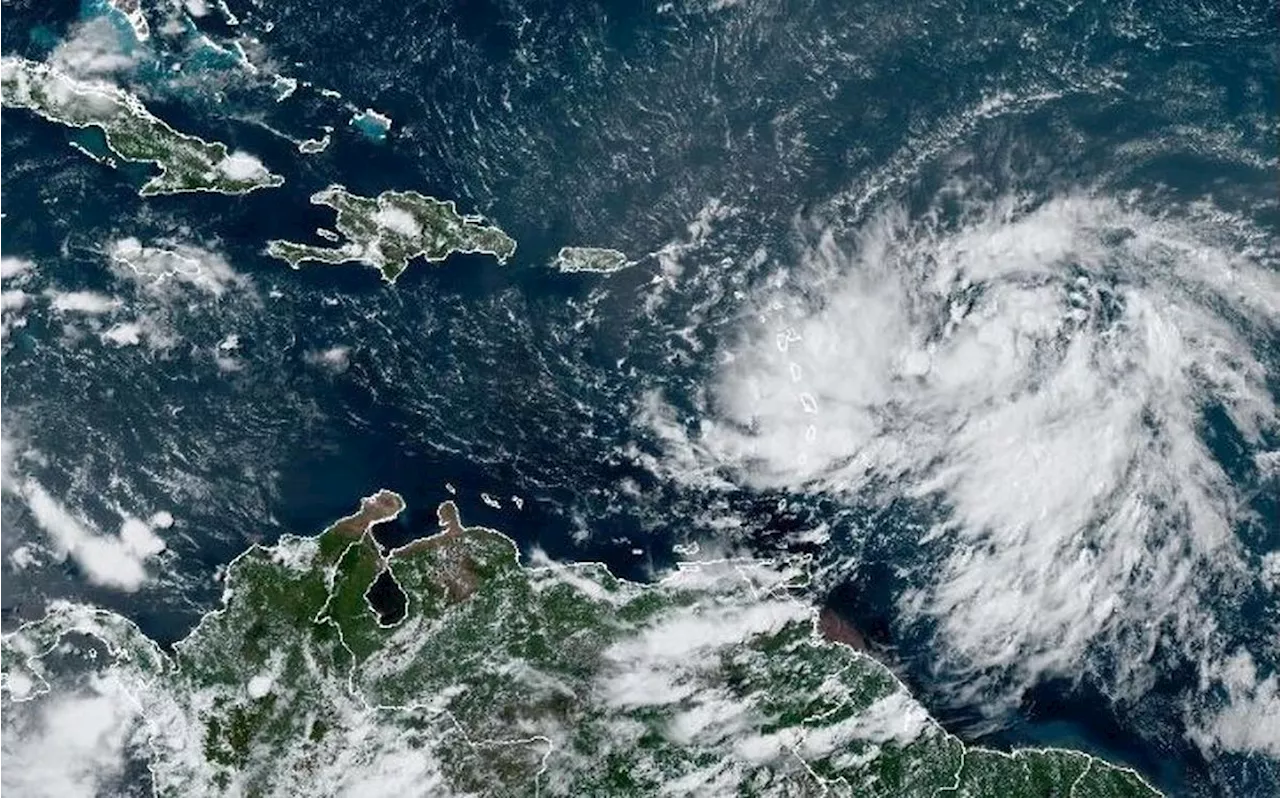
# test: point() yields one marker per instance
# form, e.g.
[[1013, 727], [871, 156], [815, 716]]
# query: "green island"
[[393, 228], [488, 677], [131, 132], [590, 259]]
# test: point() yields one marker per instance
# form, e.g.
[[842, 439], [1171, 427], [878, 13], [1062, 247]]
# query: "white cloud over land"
[[1040, 374]]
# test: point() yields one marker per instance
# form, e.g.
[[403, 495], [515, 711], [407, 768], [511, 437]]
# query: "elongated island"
[[131, 132]]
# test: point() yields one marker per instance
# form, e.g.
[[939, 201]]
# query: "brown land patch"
[[836, 629], [381, 506]]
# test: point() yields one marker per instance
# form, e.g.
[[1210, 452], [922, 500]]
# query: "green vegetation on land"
[[510, 680], [590, 259], [393, 228], [132, 133]]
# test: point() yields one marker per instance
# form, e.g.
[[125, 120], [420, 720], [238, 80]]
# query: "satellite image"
[[694, 398]]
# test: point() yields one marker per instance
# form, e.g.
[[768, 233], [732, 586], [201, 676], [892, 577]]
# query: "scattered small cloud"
[[336, 358], [162, 267], [124, 334], [11, 305], [23, 557], [398, 220], [1250, 720], [227, 364], [88, 302]]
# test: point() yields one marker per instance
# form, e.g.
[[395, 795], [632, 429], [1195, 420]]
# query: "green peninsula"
[[393, 228], [446, 667], [132, 133]]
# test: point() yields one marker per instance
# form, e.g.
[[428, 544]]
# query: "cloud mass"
[[1042, 374]]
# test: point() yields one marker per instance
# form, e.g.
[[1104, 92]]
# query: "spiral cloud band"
[[1054, 376]]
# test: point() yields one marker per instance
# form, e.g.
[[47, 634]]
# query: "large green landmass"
[[132, 133], [508, 680], [393, 228]]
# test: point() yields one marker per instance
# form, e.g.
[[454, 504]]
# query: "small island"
[[590, 259], [393, 228], [313, 146], [371, 124], [334, 662], [132, 133]]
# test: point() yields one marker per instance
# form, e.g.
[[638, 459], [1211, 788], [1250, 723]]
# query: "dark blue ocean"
[[615, 125]]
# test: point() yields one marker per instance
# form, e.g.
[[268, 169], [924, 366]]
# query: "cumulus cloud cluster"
[[1041, 372], [14, 267], [115, 561], [14, 274], [242, 166], [96, 48], [69, 746], [157, 288], [165, 266], [155, 282]]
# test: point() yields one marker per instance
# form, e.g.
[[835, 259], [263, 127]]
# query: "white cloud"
[[11, 267], [1041, 372], [23, 557], [1250, 719], [124, 334], [13, 300], [162, 267], [68, 746], [7, 452], [714, 716], [109, 560], [384, 765], [90, 302], [19, 684], [895, 718], [335, 358], [654, 667], [262, 683], [95, 48], [139, 538], [398, 220], [242, 166], [133, 13], [259, 686], [9, 323]]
